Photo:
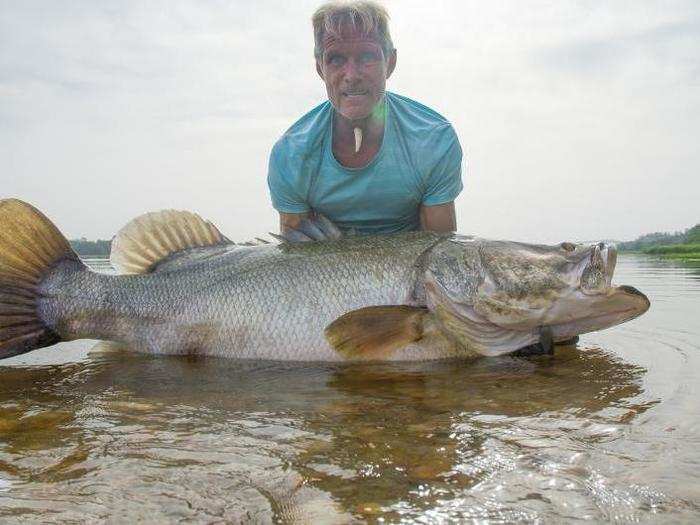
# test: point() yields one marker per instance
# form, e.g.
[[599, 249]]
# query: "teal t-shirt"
[[418, 163]]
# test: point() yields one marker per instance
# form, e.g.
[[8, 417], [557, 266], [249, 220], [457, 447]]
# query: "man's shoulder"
[[416, 116], [427, 135], [307, 132]]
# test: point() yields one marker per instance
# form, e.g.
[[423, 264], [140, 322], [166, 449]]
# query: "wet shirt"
[[418, 163]]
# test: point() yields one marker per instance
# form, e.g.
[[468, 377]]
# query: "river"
[[606, 431]]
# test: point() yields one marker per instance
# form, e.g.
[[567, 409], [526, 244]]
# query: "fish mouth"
[[606, 304], [619, 305], [598, 269], [631, 290], [596, 303]]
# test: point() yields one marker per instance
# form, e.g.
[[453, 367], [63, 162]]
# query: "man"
[[369, 160]]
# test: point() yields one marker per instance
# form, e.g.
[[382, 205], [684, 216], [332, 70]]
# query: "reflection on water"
[[608, 430]]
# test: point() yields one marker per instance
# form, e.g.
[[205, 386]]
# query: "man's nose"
[[352, 70]]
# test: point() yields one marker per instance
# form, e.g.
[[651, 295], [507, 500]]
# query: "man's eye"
[[369, 58], [336, 60]]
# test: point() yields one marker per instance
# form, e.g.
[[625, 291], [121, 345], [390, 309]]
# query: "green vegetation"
[[650, 240], [689, 257], [693, 235], [680, 245], [85, 248], [678, 248]]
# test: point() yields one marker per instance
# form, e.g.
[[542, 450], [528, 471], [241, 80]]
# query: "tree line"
[[656, 239], [85, 248]]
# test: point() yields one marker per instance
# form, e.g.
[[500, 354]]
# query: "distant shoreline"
[[685, 252], [99, 248], [680, 245]]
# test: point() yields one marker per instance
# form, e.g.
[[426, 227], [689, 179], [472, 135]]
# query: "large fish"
[[186, 289]]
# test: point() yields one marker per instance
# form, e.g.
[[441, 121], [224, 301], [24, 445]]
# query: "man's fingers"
[[308, 228], [330, 230]]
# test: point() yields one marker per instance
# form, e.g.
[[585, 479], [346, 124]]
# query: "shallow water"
[[609, 430]]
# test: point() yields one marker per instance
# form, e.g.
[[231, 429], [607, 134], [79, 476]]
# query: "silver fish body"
[[411, 296], [263, 302]]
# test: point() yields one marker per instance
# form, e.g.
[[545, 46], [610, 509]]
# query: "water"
[[609, 430]]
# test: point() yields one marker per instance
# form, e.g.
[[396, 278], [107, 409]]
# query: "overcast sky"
[[579, 120]]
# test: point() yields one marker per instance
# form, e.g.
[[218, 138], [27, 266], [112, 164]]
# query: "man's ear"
[[391, 63], [319, 70]]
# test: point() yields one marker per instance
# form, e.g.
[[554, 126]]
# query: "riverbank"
[[687, 252], [682, 245]]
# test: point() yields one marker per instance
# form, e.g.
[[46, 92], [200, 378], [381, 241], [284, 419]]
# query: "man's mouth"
[[355, 93]]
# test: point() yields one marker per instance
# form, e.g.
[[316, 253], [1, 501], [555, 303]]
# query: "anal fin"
[[375, 332]]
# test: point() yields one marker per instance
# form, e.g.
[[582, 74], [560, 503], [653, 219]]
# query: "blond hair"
[[366, 17]]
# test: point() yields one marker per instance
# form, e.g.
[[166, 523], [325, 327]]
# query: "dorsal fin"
[[152, 237]]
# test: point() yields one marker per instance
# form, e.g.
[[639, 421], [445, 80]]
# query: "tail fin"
[[30, 245]]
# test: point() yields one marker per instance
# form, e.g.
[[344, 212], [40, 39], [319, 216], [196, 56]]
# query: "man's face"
[[355, 70]]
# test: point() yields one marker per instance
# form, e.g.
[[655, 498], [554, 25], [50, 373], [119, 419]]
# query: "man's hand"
[[440, 218], [305, 227]]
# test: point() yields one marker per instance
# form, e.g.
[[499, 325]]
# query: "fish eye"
[[568, 246]]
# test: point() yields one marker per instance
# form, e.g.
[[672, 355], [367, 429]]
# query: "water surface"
[[608, 430]]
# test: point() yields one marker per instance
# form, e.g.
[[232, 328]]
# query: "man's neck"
[[345, 140]]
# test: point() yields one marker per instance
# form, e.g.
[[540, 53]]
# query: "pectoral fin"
[[376, 332]]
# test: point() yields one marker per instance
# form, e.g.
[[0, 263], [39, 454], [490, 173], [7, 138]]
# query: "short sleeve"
[[444, 181], [285, 193]]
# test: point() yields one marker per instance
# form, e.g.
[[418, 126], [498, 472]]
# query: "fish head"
[[497, 296]]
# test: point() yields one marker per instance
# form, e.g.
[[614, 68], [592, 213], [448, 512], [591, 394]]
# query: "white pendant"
[[358, 139]]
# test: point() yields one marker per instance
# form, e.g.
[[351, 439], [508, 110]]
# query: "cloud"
[[661, 46], [586, 110]]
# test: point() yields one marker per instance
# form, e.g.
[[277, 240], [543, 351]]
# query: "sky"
[[579, 120]]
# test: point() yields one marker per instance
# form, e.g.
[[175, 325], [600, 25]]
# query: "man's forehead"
[[349, 36]]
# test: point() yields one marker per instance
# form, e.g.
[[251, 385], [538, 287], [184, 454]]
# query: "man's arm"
[[444, 182], [440, 218]]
